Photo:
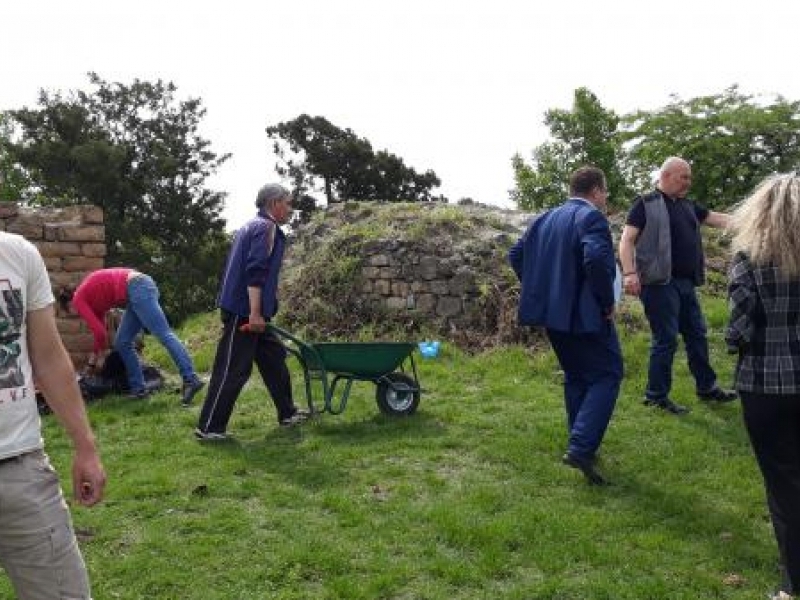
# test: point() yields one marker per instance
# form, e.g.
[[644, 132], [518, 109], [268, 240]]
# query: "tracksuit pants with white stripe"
[[233, 364]]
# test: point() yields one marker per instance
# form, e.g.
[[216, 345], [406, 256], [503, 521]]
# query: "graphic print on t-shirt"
[[11, 315]]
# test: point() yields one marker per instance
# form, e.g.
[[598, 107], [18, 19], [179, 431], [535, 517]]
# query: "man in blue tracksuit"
[[565, 263], [248, 296]]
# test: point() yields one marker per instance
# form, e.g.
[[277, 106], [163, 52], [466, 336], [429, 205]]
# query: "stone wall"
[[72, 243], [435, 282]]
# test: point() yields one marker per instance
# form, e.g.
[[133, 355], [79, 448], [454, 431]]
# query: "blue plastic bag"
[[429, 349]]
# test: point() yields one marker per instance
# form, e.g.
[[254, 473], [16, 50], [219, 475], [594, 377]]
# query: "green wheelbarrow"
[[331, 363]]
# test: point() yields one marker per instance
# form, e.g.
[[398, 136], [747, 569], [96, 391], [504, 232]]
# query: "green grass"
[[467, 499]]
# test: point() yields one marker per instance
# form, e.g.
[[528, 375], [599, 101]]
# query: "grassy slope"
[[467, 499]]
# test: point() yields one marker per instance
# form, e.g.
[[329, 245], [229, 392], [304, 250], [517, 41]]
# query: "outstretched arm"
[[717, 220], [53, 371]]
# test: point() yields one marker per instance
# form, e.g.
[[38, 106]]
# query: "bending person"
[[138, 294]]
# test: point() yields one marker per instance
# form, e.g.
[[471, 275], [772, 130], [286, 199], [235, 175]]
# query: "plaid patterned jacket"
[[764, 328]]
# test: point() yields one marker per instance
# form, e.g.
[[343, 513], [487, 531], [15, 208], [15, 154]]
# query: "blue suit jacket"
[[565, 263]]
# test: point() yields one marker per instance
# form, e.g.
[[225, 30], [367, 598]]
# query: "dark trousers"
[[672, 309], [592, 365], [773, 424], [233, 363]]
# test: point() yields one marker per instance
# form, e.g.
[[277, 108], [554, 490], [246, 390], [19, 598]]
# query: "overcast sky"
[[453, 85]]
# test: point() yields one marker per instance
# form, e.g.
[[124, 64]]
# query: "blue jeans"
[[144, 311], [592, 365], [671, 309]]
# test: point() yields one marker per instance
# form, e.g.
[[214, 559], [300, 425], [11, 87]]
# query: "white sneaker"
[[211, 436]]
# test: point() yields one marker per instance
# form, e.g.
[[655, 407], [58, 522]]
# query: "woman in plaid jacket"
[[764, 329]]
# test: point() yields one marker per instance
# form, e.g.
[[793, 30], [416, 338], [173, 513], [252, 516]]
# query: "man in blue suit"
[[565, 264]]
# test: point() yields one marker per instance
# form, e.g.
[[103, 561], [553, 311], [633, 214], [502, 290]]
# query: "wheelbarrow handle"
[[285, 334]]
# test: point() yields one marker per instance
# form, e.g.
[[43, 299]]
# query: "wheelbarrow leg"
[[339, 409]]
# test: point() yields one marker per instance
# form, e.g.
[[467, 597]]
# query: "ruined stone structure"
[[431, 266], [72, 243]]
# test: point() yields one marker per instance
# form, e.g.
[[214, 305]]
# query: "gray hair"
[[269, 195], [672, 162]]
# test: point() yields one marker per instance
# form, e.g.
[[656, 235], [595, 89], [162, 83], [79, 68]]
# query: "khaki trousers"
[[38, 548]]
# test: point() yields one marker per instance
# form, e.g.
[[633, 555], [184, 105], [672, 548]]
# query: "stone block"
[[426, 303], [445, 268], [389, 273], [62, 279], [83, 233], [448, 306], [395, 303], [378, 260], [93, 249], [92, 215], [462, 283], [439, 287], [52, 263], [78, 342], [371, 272], [8, 210], [51, 228], [428, 267], [382, 287], [60, 249], [82, 263], [400, 288], [31, 231], [70, 325]]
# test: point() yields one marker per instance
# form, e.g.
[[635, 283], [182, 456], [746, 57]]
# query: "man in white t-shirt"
[[38, 548]]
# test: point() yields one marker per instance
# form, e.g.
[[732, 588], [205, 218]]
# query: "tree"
[[15, 185], [586, 135], [314, 155], [135, 151], [732, 140]]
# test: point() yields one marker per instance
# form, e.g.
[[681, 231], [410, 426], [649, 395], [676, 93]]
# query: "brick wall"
[[72, 243]]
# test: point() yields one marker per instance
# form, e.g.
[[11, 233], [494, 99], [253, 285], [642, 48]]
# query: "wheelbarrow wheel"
[[397, 395]]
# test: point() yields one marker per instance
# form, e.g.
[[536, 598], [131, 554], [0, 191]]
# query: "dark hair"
[[65, 295], [585, 179]]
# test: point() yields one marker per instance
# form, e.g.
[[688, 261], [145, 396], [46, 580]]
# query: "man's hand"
[[717, 220], [256, 324], [88, 477], [631, 284]]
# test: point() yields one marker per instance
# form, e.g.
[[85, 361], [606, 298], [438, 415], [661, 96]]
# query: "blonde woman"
[[764, 329]]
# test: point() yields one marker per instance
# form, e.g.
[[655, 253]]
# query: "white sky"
[[451, 85]]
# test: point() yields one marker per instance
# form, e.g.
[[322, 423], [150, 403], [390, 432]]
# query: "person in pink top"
[[138, 294]]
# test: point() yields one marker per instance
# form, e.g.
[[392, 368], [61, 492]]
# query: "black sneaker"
[[139, 394], [189, 391], [717, 394], [666, 405]]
